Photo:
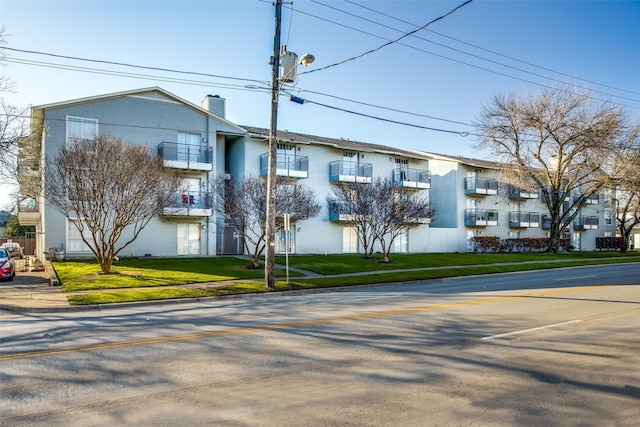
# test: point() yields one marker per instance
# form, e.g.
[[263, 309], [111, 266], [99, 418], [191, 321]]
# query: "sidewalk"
[[36, 291], [31, 291]]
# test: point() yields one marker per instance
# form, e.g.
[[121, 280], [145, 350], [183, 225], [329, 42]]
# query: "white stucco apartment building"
[[199, 140]]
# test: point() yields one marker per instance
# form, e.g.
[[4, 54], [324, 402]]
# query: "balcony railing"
[[585, 223], [524, 219], [190, 203], [336, 214], [188, 157], [341, 171], [290, 166], [480, 217], [594, 199], [480, 186], [412, 178], [520, 194], [28, 212]]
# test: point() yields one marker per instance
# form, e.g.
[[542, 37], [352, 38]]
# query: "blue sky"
[[442, 75]]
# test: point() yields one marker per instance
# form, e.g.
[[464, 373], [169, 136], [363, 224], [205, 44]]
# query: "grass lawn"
[[171, 273], [80, 275]]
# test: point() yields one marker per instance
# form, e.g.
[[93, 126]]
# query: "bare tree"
[[13, 126], [355, 203], [379, 211], [627, 189], [562, 140], [397, 210], [243, 202], [105, 186]]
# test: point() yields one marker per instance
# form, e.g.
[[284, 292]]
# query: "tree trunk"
[[626, 237]]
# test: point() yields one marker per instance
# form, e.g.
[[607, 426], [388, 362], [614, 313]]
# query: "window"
[[350, 163], [281, 240], [74, 237], [402, 165], [608, 216], [286, 156], [79, 128], [188, 146], [189, 239], [349, 240], [191, 192], [401, 243]]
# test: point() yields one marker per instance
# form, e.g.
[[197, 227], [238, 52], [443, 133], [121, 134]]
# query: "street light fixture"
[[276, 80]]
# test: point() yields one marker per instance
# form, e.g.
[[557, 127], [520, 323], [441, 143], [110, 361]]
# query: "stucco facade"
[[467, 194]]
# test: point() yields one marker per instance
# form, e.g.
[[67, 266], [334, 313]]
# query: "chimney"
[[214, 104]]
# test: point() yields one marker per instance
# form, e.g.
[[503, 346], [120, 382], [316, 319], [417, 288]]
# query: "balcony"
[[28, 212], [340, 171], [594, 199], [581, 223], [190, 204], [480, 186], [412, 178], [480, 217], [186, 157], [520, 194], [336, 215], [289, 166], [524, 219]]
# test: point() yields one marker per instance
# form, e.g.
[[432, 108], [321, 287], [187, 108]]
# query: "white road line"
[[574, 278], [530, 330]]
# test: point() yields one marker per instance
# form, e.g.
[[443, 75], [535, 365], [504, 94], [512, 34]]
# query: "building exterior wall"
[[154, 117], [451, 202]]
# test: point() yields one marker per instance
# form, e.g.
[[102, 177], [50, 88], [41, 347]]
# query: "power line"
[[465, 53], [188, 81], [391, 41], [129, 75], [488, 50], [344, 110], [123, 64], [395, 110]]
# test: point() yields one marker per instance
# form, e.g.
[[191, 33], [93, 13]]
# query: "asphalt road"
[[559, 347]]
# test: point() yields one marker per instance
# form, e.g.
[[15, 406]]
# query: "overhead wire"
[[263, 88], [469, 54], [124, 64], [490, 50], [370, 116], [390, 42], [463, 52], [127, 74]]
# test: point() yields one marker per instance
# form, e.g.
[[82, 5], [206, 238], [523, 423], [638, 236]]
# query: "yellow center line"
[[301, 323]]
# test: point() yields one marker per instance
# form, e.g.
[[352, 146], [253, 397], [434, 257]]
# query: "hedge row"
[[527, 244]]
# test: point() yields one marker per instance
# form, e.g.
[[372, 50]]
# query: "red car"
[[7, 268]]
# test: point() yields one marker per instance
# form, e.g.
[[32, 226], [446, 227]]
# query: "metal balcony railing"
[[190, 203], [341, 171], [480, 186], [480, 217], [585, 223], [524, 219], [412, 178], [520, 194], [290, 166], [183, 156]]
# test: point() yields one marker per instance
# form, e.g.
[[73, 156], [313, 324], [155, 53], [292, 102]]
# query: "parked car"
[[7, 267], [14, 249]]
